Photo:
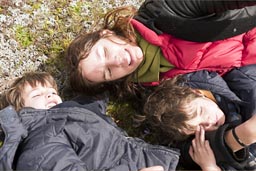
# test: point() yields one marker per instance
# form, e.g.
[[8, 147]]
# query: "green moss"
[[127, 117], [1, 72], [55, 28], [77, 8], [18, 64], [123, 113], [36, 5], [23, 35]]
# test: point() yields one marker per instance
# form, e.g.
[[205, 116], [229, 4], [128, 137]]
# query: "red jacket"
[[220, 56]]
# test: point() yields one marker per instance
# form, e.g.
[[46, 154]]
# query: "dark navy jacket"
[[75, 136], [236, 96]]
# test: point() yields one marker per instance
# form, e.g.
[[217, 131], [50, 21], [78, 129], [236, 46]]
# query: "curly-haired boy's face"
[[208, 115], [40, 97]]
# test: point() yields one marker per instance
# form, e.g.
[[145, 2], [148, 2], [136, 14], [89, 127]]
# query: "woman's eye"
[[107, 74], [200, 111], [105, 52], [109, 71]]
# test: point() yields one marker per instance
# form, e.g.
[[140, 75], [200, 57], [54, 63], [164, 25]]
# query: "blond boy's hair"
[[13, 96]]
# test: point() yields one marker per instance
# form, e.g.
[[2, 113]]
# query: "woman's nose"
[[112, 62], [115, 61]]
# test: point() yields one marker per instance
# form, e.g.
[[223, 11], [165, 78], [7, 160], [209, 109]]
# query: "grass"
[[50, 26]]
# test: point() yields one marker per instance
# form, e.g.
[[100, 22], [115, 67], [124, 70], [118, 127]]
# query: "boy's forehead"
[[35, 83], [31, 86]]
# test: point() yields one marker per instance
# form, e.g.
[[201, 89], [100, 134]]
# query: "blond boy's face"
[[40, 97], [208, 115]]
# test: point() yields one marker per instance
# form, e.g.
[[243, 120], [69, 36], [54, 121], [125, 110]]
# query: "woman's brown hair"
[[117, 21]]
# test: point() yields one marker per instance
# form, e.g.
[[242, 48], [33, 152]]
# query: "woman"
[[148, 46]]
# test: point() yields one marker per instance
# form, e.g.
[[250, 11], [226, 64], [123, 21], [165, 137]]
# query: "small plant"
[[23, 35], [47, 27]]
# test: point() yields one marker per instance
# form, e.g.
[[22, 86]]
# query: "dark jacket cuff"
[[223, 154]]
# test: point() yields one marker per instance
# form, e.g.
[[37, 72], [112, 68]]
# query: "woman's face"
[[208, 115], [111, 58]]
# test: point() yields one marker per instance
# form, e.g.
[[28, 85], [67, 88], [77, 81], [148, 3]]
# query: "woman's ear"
[[106, 32]]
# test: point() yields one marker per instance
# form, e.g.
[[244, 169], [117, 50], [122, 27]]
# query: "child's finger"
[[202, 135], [194, 143], [191, 151], [207, 146], [197, 134], [199, 137]]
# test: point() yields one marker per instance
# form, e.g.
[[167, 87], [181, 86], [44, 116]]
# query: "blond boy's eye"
[[54, 92], [36, 95]]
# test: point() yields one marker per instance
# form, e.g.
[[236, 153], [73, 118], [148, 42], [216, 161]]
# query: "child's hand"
[[201, 152], [153, 168]]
